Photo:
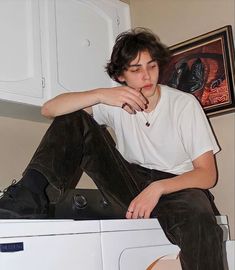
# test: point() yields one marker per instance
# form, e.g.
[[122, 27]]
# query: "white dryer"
[[50, 245], [136, 244], [88, 245]]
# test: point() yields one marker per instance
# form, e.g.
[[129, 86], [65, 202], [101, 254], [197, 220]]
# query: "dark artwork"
[[203, 69]]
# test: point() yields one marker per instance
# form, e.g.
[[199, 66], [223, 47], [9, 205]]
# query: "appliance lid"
[[129, 224], [140, 224], [22, 227]]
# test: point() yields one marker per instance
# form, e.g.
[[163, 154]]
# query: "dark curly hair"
[[127, 47]]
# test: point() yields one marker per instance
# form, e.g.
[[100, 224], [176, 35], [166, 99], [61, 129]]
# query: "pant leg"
[[75, 143], [188, 221]]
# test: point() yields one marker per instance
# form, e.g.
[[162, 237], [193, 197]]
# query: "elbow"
[[46, 112], [214, 182], [213, 179]]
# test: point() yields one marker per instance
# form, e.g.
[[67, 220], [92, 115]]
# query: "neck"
[[153, 100]]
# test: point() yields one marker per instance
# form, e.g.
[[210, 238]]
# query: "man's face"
[[142, 73]]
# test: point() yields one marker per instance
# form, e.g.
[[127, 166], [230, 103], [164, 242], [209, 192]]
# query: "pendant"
[[147, 124]]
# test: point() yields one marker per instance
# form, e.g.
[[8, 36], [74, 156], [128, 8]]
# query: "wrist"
[[99, 95], [160, 187]]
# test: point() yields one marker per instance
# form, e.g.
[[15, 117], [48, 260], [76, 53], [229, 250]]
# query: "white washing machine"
[[136, 244], [50, 245], [88, 245]]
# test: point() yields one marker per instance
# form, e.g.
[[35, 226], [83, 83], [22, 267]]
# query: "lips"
[[148, 86]]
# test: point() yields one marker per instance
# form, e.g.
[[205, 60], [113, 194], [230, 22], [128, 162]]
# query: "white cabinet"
[[20, 52], [54, 46], [80, 39]]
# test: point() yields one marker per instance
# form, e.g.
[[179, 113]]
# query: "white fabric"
[[179, 132]]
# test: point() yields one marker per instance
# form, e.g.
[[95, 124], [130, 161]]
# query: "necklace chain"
[[147, 116]]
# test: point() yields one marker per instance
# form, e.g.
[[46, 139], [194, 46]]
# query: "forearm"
[[69, 102], [197, 178], [203, 176], [115, 96]]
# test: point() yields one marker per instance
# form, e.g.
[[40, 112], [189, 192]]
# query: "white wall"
[[178, 20], [19, 139]]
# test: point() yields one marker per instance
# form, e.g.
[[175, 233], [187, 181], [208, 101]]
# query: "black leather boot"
[[18, 202]]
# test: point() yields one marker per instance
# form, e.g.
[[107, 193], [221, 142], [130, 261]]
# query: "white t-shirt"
[[179, 132]]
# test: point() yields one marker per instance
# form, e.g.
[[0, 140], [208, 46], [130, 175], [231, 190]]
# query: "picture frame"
[[204, 67]]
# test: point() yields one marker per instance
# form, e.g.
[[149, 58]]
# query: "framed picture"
[[204, 67]]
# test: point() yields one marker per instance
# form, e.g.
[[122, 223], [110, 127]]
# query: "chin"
[[148, 92]]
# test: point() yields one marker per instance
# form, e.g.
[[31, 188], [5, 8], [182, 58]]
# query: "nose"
[[146, 74]]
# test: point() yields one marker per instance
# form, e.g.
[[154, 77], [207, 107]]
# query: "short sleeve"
[[195, 130], [103, 114]]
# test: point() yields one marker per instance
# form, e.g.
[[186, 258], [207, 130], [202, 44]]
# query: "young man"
[[163, 163]]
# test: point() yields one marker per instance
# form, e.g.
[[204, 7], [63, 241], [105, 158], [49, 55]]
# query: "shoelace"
[[8, 189]]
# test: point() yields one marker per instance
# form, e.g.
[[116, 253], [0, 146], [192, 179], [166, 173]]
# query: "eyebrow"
[[139, 65]]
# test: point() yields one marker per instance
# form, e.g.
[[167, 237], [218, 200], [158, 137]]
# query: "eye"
[[153, 65], [135, 70]]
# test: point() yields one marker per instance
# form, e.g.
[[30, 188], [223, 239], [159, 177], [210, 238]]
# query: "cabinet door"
[[81, 37], [20, 65]]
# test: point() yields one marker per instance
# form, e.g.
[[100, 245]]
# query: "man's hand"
[[143, 204], [131, 100]]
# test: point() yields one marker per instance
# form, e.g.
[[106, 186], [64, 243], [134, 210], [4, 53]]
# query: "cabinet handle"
[[86, 43], [43, 82]]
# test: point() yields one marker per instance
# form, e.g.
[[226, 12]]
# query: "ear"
[[121, 79]]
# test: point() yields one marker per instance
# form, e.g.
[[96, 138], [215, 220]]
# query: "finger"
[[141, 96], [130, 210], [147, 214], [133, 103], [135, 214], [129, 213], [128, 108], [147, 102], [139, 212], [137, 97], [138, 102], [141, 215]]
